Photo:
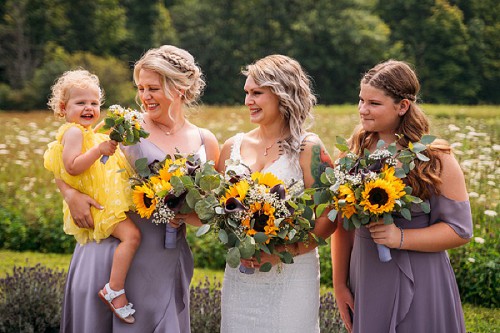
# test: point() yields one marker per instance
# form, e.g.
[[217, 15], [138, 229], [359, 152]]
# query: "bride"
[[286, 299]]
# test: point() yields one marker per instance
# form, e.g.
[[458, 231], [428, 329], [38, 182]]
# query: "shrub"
[[329, 316], [205, 307], [476, 267], [30, 299]]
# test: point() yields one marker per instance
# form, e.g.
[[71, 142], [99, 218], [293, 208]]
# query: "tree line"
[[453, 44]]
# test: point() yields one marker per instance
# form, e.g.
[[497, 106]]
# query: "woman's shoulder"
[[452, 177]]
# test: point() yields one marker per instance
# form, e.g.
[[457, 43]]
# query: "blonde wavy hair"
[[288, 80], [60, 91], [178, 70], [399, 81]]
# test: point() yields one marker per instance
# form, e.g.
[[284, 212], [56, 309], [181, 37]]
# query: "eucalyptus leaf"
[[247, 247], [426, 208], [109, 122], [427, 139], [422, 157], [332, 215], [320, 209], [406, 213], [202, 230], [266, 267], [210, 182], [204, 210], [388, 218], [287, 257], [192, 197], [233, 257], [260, 237], [224, 238]]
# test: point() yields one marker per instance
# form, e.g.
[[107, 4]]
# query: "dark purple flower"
[[233, 205]]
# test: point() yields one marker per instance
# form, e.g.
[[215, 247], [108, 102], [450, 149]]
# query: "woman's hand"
[[385, 234], [264, 257], [79, 207], [190, 218], [345, 303]]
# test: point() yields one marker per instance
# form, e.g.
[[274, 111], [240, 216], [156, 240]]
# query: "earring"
[[401, 114]]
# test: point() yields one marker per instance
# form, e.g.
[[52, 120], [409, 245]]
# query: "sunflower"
[[159, 185], [263, 216], [238, 190], [379, 196], [267, 179], [166, 173], [396, 182], [144, 200], [347, 194]]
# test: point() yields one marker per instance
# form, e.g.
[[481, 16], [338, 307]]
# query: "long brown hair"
[[399, 81]]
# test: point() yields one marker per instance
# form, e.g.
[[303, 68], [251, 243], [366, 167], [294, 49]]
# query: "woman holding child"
[[167, 80]]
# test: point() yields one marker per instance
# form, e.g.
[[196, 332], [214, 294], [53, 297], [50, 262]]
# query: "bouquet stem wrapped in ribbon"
[[370, 187], [124, 125]]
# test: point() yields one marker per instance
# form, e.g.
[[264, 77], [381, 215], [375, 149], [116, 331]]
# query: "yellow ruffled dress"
[[102, 182]]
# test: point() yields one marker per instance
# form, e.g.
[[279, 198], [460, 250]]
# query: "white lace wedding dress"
[[286, 299]]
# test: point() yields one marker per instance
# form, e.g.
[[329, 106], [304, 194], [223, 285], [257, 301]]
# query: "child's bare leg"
[[130, 238]]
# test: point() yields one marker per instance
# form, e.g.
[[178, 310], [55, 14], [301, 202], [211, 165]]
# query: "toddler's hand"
[[108, 147]]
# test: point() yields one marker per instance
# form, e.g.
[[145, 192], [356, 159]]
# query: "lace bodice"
[[285, 168]]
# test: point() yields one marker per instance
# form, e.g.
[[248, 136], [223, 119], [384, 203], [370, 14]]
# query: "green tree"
[[481, 18], [334, 41], [149, 24], [25, 27], [97, 26], [435, 40]]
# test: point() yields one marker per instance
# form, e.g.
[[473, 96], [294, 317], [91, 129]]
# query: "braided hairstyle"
[[399, 81], [287, 80], [178, 70]]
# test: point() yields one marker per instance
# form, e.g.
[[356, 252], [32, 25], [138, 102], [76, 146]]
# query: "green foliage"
[[205, 307], [477, 269], [30, 299]]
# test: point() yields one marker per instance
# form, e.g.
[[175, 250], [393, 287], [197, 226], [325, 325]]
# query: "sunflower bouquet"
[[123, 125], [258, 212], [367, 188], [175, 185]]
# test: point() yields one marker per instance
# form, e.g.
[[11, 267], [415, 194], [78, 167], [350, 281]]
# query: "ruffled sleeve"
[[457, 214], [52, 158]]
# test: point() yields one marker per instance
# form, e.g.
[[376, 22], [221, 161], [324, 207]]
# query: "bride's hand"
[[190, 218], [264, 257]]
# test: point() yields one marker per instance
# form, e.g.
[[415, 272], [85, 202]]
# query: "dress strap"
[[236, 148], [201, 136]]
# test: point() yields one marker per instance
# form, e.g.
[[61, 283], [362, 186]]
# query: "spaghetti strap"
[[201, 137]]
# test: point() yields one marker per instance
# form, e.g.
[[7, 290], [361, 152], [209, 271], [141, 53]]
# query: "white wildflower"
[[472, 260], [479, 240], [490, 213]]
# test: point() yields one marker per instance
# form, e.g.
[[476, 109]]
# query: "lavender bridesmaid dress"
[[415, 291], [157, 283]]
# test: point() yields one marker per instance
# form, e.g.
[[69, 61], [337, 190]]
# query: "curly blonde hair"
[[399, 81], [79, 78], [178, 71], [288, 80]]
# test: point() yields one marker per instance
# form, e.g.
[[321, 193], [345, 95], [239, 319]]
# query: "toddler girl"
[[74, 158]]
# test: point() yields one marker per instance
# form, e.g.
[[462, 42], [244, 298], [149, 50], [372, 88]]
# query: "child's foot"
[[117, 302]]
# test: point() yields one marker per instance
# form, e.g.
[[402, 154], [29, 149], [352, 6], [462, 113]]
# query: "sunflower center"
[[378, 196], [147, 201], [260, 221]]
